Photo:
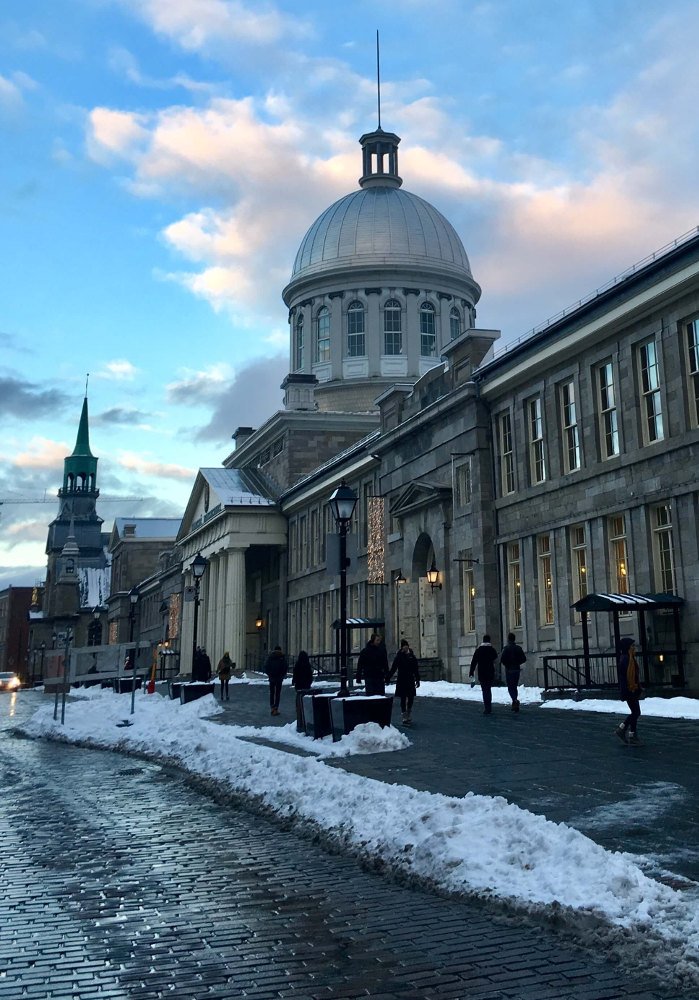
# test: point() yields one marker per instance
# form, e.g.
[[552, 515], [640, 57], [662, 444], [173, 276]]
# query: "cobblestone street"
[[121, 880]]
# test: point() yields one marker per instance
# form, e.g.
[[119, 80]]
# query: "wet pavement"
[[120, 879]]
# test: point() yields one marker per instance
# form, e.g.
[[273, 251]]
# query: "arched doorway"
[[417, 606]]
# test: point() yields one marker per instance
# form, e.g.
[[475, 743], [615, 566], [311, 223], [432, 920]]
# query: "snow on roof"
[[233, 489]]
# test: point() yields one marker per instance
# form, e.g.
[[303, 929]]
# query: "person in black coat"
[[276, 669], [372, 666], [302, 677], [407, 679], [512, 658], [629, 689], [205, 666], [483, 660]]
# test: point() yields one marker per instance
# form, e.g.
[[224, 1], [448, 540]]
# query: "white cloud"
[[42, 453], [205, 25], [118, 370], [153, 467]]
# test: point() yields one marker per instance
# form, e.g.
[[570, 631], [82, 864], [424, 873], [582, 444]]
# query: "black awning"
[[360, 623], [627, 602]]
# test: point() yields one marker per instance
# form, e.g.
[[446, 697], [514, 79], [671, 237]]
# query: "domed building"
[[380, 285]]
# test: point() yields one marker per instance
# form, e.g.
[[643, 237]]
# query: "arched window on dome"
[[454, 324], [428, 332], [392, 334], [298, 345], [321, 348], [356, 347]]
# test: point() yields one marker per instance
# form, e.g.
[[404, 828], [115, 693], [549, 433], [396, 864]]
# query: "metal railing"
[[658, 669]]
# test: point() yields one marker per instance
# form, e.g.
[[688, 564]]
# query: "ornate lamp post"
[[133, 601], [342, 504], [199, 564]]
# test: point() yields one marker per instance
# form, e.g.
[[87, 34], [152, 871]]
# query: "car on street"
[[9, 681]]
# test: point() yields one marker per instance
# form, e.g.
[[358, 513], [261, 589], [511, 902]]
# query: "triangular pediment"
[[418, 495], [216, 491]]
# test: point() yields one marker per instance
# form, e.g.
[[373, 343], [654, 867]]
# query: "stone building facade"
[[519, 480]]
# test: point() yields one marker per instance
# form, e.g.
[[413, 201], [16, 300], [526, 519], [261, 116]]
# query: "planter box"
[[190, 692], [300, 714], [124, 685], [316, 712], [347, 713], [174, 689]]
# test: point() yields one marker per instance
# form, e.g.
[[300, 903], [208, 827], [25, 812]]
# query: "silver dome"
[[381, 225]]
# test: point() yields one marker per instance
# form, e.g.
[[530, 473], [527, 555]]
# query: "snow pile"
[[475, 844]]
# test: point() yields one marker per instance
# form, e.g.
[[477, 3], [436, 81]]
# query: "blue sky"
[[162, 159]]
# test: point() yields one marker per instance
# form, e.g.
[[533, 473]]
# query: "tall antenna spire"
[[87, 379], [378, 77]]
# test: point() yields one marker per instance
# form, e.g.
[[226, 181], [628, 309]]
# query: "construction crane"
[[53, 499]]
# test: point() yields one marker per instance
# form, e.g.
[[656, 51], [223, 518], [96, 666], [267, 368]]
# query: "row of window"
[[308, 531], [617, 571], [607, 403], [310, 619], [355, 331]]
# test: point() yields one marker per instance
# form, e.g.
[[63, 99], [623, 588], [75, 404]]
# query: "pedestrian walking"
[[202, 667], [224, 670], [276, 669], [630, 690], [405, 666], [302, 677], [197, 665], [512, 658], [372, 666], [483, 661]]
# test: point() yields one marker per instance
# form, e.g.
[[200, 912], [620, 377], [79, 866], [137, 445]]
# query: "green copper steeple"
[[80, 468]]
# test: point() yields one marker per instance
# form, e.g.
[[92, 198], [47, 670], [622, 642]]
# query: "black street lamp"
[[342, 504], [199, 564], [133, 601]]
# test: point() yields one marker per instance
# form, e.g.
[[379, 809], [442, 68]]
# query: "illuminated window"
[[545, 579], [469, 600], [537, 458], [618, 554], [392, 335], [355, 330], [428, 332], [571, 434], [321, 350], [651, 406], [514, 585], [578, 548], [607, 409]]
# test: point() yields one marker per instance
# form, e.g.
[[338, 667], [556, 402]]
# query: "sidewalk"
[[567, 766]]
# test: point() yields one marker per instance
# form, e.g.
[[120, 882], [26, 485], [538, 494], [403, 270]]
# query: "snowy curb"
[[476, 845]]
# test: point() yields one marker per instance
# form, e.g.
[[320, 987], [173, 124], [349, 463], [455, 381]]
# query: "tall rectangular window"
[[663, 549], [356, 347], [428, 331], [569, 422], [618, 555], [607, 409], [322, 344], [692, 331], [392, 335], [462, 484], [537, 459], [469, 600], [514, 585], [651, 405], [578, 552], [545, 573], [507, 456]]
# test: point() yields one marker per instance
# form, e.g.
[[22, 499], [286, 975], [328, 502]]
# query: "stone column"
[[373, 334], [234, 606]]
